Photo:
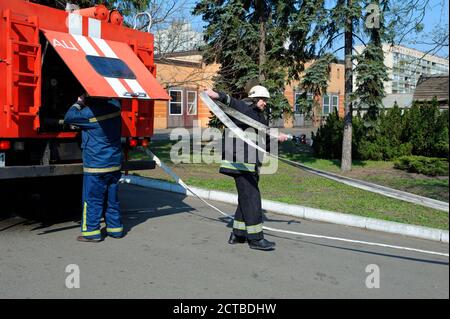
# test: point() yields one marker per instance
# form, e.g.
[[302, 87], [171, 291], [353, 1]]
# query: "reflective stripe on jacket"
[[237, 156], [101, 124]]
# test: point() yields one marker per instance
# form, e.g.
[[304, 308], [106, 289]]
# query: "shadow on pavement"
[[137, 206]]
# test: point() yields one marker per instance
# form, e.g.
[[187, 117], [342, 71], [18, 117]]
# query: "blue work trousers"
[[100, 197]]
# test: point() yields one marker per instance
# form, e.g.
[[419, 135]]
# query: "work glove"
[[283, 137]]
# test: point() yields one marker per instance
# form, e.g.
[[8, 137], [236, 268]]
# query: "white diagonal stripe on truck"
[[136, 87], [85, 45], [117, 87], [105, 48]]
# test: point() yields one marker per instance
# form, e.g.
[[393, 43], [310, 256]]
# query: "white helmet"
[[259, 91]]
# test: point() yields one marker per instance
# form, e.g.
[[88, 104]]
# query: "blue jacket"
[[101, 126]]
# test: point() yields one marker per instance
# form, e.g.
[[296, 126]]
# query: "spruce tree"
[[371, 71], [254, 43]]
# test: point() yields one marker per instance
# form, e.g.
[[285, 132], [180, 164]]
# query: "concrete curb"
[[300, 211], [377, 189]]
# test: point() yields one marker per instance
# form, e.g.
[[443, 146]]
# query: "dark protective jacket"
[[237, 156], [101, 123]]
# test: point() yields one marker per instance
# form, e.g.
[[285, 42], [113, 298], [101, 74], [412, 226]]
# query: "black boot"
[[261, 244], [236, 239]]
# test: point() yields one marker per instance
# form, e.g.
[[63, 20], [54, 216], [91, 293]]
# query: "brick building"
[[184, 75]]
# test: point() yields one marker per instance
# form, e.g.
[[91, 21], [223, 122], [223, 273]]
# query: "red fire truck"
[[45, 55]]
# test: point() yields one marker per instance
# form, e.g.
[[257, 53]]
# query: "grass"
[[378, 172], [295, 186]]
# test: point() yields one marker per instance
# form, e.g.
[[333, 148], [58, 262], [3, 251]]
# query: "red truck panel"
[[20, 74], [73, 49]]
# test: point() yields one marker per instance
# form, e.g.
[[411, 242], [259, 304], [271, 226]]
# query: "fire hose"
[[374, 188], [238, 132]]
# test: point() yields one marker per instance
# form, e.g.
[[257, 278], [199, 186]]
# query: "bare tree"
[[169, 23], [436, 41], [198, 75], [408, 20], [179, 36], [169, 20]]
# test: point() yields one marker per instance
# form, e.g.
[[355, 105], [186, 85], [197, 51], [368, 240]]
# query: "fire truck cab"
[[47, 56]]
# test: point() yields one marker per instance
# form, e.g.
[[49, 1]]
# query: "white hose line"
[[221, 113], [184, 185], [374, 188], [248, 120], [180, 181], [357, 242]]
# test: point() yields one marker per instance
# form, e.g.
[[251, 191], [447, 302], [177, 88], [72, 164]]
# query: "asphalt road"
[[176, 247]]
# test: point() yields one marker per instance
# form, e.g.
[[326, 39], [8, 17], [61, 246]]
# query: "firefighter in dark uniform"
[[100, 122], [238, 161]]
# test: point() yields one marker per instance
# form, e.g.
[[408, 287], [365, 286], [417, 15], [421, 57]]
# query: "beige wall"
[[336, 86], [197, 78]]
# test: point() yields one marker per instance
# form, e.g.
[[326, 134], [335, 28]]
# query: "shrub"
[[427, 129], [383, 149], [327, 142], [431, 166], [421, 130]]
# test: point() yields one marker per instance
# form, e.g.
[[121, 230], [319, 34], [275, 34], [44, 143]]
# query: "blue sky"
[[437, 13]]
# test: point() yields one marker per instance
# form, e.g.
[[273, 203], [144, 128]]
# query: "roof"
[[179, 54], [404, 100], [193, 58], [431, 86]]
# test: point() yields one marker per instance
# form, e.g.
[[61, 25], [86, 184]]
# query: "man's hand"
[[283, 137], [212, 94]]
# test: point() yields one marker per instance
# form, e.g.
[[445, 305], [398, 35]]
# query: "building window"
[[176, 102], [330, 103], [326, 105], [192, 102], [297, 99], [335, 102]]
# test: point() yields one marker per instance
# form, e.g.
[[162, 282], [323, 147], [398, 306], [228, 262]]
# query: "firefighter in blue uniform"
[[100, 123], [238, 163]]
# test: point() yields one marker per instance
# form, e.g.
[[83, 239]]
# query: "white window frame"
[[337, 102], [195, 102], [323, 104], [296, 96], [170, 103]]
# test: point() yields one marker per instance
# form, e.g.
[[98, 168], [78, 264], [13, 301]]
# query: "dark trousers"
[[248, 218], [100, 196]]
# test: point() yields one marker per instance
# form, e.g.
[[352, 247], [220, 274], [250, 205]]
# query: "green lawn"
[[295, 186], [378, 172]]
